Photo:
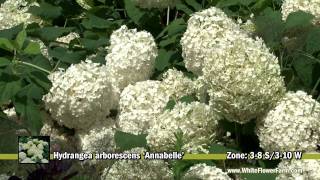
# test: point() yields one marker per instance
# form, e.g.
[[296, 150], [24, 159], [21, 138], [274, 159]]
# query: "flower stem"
[[34, 66], [168, 15]]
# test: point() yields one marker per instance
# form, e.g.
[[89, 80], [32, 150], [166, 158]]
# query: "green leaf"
[[9, 86], [133, 12], [170, 105], [46, 11], [163, 59], [196, 6], [32, 48], [187, 99], [4, 62], [40, 79], [30, 113], [179, 140], [21, 37], [227, 3], [8, 138], [298, 19], [32, 91], [11, 33], [42, 62], [96, 22], [126, 141], [272, 36], [49, 33], [68, 56], [92, 44], [175, 27], [217, 148], [169, 41], [312, 41], [246, 2], [182, 7], [6, 44], [304, 65], [255, 176]]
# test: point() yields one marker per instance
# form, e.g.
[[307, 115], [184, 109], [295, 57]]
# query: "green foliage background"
[[24, 70]]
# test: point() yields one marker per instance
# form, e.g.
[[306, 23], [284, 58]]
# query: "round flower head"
[[131, 57], [98, 138], [293, 125], [14, 12], [137, 169], [206, 31], [195, 123], [302, 169], [79, 96], [309, 6], [205, 172], [176, 84], [155, 3], [140, 104], [243, 78]]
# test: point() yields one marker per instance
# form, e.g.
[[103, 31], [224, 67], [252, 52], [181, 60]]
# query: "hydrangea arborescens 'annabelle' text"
[[293, 125], [80, 96], [196, 121], [131, 57]]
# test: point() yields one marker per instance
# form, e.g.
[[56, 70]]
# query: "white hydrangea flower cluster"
[[86, 4], [243, 78], [32, 151], [131, 57], [310, 169], [205, 172], [293, 125], [206, 29], [11, 114], [68, 38], [98, 138], [309, 6], [14, 12], [140, 104], [177, 84], [148, 4], [196, 121], [138, 169], [80, 96]]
